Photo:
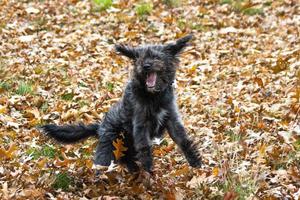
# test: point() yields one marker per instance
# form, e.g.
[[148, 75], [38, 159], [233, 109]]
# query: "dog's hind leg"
[[104, 153]]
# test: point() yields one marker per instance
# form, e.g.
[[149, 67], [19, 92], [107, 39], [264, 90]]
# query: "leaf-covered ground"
[[238, 91]]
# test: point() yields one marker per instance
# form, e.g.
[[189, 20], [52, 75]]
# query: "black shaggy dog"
[[147, 108]]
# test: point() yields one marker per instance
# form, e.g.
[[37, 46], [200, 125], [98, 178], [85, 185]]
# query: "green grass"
[[67, 96], [24, 88], [46, 151], [143, 9], [172, 3], [232, 136], [110, 86], [2, 66], [85, 153], [5, 86], [102, 4], [38, 70], [242, 188], [297, 145], [268, 3], [253, 11], [2, 26], [40, 23], [239, 7], [226, 2], [182, 24], [293, 158], [62, 181], [82, 103], [82, 84], [44, 107], [245, 190], [199, 27]]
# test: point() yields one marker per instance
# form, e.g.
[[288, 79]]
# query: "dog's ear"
[[178, 46], [127, 51]]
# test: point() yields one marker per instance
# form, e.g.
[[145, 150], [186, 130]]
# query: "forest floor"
[[238, 88]]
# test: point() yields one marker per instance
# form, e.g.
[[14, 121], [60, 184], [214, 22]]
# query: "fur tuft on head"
[[177, 47], [126, 51]]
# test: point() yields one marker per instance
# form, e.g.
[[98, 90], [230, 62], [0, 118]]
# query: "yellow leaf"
[[119, 145], [89, 163], [215, 171], [237, 109], [262, 149], [193, 69], [2, 153], [42, 163], [298, 74], [3, 109], [9, 153], [296, 94], [280, 66]]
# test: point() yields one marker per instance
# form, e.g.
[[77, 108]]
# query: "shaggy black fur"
[[147, 108]]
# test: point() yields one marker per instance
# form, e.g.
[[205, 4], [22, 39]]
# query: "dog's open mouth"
[[151, 79]]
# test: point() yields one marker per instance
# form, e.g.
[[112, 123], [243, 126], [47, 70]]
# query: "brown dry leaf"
[[32, 193], [62, 163], [119, 148], [169, 148], [259, 82], [110, 198], [182, 171], [230, 196], [5, 191], [170, 196], [32, 114], [196, 181]]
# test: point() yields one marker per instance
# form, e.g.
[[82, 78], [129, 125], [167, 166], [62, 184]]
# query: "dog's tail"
[[70, 133]]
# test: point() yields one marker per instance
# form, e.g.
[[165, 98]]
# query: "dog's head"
[[155, 65]]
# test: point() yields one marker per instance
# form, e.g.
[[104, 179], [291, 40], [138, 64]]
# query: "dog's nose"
[[147, 66]]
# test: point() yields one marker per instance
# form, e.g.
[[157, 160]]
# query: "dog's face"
[[155, 65]]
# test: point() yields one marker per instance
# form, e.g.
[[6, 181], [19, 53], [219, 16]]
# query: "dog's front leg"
[[142, 143], [178, 134]]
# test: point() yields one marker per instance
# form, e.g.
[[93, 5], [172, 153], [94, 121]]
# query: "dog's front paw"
[[146, 160], [147, 164], [132, 167], [192, 154], [195, 161]]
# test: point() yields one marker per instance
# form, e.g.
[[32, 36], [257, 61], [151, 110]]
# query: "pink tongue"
[[151, 79]]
